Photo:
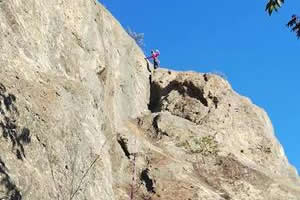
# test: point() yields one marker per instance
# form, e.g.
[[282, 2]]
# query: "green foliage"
[[273, 5], [293, 24], [206, 145]]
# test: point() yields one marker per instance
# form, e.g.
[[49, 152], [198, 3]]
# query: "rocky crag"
[[83, 118]]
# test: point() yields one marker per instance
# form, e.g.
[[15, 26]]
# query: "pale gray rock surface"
[[81, 118], [220, 140], [70, 76]]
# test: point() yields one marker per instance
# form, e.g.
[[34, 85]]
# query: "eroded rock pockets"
[[149, 183], [186, 88], [12, 132], [192, 99], [123, 142], [155, 124]]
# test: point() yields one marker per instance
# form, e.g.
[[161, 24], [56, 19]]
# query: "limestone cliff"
[[83, 118]]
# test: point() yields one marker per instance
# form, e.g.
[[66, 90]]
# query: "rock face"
[[83, 118], [217, 144]]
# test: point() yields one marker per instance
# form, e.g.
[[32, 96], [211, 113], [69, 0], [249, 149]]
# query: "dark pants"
[[156, 63]]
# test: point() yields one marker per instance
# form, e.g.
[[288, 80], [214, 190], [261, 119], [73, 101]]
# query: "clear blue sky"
[[257, 53]]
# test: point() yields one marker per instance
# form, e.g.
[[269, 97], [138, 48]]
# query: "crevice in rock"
[[147, 180], [225, 196], [148, 68], [155, 95], [102, 74], [78, 40], [155, 123], [214, 99], [205, 77], [39, 140], [123, 142], [158, 131], [140, 122]]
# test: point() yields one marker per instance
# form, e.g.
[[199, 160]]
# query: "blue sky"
[[257, 53]]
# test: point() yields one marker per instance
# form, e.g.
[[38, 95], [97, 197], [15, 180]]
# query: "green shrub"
[[206, 145]]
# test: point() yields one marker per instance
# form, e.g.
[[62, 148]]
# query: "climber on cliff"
[[154, 56]]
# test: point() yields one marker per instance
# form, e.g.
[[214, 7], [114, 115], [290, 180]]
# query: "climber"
[[154, 56]]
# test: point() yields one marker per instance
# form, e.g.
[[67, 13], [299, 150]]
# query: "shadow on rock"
[[148, 66], [11, 191], [11, 131]]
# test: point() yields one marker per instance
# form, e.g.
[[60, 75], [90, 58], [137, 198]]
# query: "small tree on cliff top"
[[138, 37]]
